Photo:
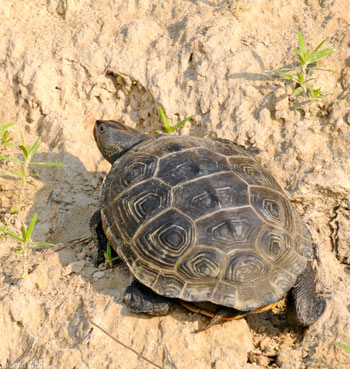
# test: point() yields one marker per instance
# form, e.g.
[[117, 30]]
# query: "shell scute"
[[139, 204], [210, 193], [190, 164], [162, 241]]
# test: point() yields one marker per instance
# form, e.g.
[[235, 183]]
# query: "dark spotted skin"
[[201, 220]]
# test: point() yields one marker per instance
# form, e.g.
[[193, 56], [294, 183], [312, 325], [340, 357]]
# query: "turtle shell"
[[201, 220]]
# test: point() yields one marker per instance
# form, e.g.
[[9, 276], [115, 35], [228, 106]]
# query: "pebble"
[[99, 274], [77, 266]]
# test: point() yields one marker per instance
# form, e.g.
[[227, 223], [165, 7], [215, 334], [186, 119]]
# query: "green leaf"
[[8, 158], [320, 54], [307, 55], [34, 148], [13, 172], [14, 209], [23, 171], [6, 139], [47, 164], [322, 69], [308, 80], [298, 52], [36, 244], [319, 46], [24, 234], [180, 124], [108, 255], [7, 143], [22, 138], [300, 78], [165, 120], [282, 70], [31, 227], [301, 41], [314, 92], [297, 91], [168, 128], [11, 234], [5, 126], [24, 151], [345, 347], [3, 228], [289, 76]]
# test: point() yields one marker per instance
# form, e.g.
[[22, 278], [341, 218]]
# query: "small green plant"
[[109, 260], [24, 242], [28, 151], [23, 173], [306, 60], [316, 94], [345, 347], [5, 138], [167, 127]]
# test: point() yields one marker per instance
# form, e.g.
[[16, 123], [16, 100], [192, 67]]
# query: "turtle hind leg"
[[99, 237], [305, 307], [141, 299]]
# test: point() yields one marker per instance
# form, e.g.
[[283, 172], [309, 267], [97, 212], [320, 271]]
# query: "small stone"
[[77, 266], [99, 275]]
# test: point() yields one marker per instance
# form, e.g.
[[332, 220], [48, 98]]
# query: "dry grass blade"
[[72, 244], [124, 345]]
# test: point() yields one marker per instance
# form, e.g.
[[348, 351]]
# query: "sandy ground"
[[66, 63]]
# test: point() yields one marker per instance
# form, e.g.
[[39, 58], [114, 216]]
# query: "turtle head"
[[114, 139]]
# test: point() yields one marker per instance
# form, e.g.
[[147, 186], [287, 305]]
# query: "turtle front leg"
[[141, 299], [99, 237], [305, 306]]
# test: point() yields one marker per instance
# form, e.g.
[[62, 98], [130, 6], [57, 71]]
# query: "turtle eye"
[[102, 128]]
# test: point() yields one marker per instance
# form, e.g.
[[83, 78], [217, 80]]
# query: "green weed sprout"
[[25, 244], [109, 260], [5, 139], [167, 127], [306, 58], [345, 347], [24, 174], [28, 151]]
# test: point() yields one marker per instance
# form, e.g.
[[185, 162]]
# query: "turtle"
[[201, 222]]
